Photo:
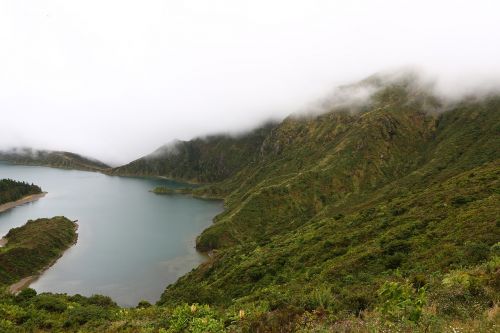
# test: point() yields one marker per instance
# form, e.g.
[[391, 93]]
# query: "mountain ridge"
[[200, 160], [51, 158]]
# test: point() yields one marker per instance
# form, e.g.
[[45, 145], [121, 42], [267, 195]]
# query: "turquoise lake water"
[[131, 242]]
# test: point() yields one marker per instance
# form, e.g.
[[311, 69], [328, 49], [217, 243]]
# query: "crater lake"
[[131, 243]]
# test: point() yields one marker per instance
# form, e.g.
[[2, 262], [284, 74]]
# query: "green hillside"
[[404, 187], [54, 159], [202, 160], [330, 164], [381, 216]]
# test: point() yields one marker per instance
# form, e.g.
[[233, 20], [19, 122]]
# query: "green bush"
[[25, 294], [143, 304], [320, 297], [475, 252], [400, 302], [495, 249], [462, 295], [101, 300], [84, 314], [196, 319], [49, 303]]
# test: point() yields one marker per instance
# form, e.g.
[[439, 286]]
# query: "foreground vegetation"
[[376, 217], [458, 301], [11, 190]]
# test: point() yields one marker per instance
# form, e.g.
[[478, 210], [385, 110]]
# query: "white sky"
[[115, 79]]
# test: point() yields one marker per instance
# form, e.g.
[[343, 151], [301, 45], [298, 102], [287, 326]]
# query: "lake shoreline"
[[130, 194], [27, 281], [29, 198]]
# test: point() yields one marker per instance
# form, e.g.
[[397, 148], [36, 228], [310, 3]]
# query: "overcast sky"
[[115, 79]]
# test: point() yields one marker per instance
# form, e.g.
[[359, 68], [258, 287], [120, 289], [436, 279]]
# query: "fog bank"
[[116, 79]]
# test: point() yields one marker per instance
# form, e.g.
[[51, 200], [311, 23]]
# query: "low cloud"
[[116, 80]]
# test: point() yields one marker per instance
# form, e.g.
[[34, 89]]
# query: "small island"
[[198, 193], [168, 191], [32, 248]]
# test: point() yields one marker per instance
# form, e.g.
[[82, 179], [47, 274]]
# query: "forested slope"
[[11, 190], [54, 159], [404, 187], [201, 160]]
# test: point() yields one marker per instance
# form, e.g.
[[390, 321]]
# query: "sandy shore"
[[18, 286], [29, 198]]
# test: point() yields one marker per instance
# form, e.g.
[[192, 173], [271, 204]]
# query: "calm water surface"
[[131, 243]]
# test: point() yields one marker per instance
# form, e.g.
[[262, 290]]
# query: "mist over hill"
[[351, 150], [375, 209], [400, 182], [55, 159]]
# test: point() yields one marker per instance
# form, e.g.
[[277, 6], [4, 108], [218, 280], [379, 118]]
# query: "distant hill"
[[201, 160], [55, 159]]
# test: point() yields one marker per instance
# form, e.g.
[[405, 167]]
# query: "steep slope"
[[55, 159], [340, 159], [423, 234], [345, 200], [209, 159]]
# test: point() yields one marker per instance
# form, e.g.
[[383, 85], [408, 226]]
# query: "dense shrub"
[[11, 190], [401, 302], [49, 303]]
